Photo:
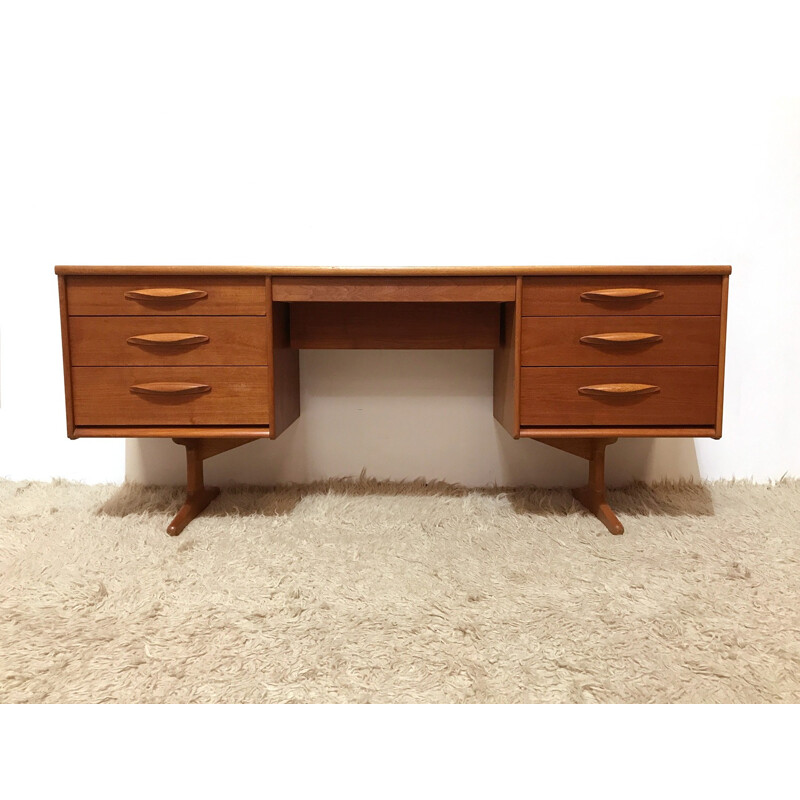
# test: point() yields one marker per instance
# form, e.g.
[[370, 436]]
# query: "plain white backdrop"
[[419, 133], [397, 134]]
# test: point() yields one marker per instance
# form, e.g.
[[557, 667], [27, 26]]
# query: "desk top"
[[398, 271]]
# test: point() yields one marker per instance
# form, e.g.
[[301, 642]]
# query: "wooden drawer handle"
[[623, 337], [167, 339], [165, 294], [171, 388], [618, 389], [610, 295]]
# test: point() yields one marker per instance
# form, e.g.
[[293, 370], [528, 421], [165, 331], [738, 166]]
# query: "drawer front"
[[621, 295], [592, 341], [422, 289], [170, 396], [581, 396], [165, 341], [133, 295]]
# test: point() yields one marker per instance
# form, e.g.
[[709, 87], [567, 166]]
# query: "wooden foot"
[[198, 495], [593, 495], [194, 505], [596, 503]]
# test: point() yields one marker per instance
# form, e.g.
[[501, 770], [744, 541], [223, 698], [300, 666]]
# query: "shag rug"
[[361, 591]]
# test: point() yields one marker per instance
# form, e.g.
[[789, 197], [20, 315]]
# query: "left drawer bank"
[[157, 350]]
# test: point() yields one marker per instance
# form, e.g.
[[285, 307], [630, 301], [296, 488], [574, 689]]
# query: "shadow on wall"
[[404, 414], [519, 463]]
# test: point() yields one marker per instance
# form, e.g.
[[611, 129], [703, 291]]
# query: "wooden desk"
[[208, 356]]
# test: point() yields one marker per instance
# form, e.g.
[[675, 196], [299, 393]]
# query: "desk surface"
[[397, 271]]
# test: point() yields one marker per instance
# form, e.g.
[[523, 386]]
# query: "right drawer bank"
[[620, 351]]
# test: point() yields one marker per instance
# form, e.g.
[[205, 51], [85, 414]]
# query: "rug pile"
[[361, 591]]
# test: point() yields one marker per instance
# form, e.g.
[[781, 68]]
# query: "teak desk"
[[208, 356]]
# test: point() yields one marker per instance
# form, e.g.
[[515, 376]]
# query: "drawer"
[[170, 396], [133, 295], [593, 341], [584, 396], [621, 295], [165, 341]]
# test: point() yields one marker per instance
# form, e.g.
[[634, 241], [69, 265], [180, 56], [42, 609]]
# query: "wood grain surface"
[[66, 353], [562, 269], [284, 359], [507, 360], [231, 341], [393, 290], [722, 342], [238, 396], [556, 341], [562, 296], [96, 294], [627, 431], [687, 396], [392, 326], [171, 431]]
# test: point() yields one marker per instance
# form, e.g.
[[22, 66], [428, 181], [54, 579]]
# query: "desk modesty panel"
[[208, 356]]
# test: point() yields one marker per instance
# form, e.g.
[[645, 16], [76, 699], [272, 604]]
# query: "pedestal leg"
[[593, 495], [198, 495]]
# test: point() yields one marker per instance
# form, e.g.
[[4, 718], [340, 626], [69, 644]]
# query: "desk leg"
[[593, 495], [198, 495]]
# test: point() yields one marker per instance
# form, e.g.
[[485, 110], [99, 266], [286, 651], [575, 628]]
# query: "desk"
[[208, 356]]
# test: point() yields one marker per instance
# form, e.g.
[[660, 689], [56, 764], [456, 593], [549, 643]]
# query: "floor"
[[360, 591]]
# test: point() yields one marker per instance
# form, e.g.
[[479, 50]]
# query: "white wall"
[[394, 134]]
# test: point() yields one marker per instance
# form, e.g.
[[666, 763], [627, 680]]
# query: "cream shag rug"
[[359, 591]]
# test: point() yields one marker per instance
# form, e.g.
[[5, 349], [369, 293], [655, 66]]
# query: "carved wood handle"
[[618, 389], [167, 339], [622, 337], [610, 295], [165, 294], [171, 388]]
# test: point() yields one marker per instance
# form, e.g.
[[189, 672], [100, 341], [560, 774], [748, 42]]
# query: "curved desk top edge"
[[371, 272]]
